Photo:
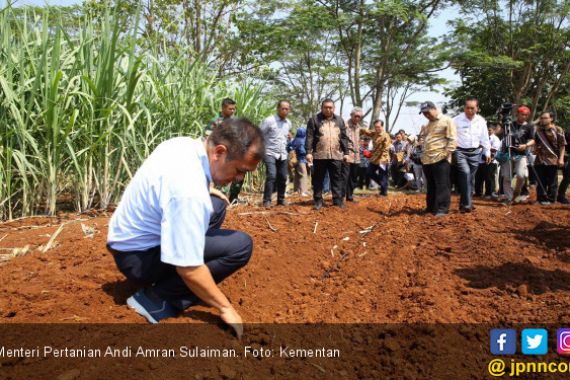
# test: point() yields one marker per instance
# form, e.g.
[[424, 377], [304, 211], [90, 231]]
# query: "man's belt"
[[468, 150]]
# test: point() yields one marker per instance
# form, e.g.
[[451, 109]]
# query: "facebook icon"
[[503, 341]]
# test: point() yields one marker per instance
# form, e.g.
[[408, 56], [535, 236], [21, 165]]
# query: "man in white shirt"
[[472, 141], [275, 129], [166, 230]]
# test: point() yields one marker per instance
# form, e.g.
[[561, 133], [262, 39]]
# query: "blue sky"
[[409, 119]]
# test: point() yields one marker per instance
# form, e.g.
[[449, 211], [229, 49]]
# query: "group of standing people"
[[467, 145], [464, 153]]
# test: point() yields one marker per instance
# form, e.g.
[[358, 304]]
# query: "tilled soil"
[[378, 261]]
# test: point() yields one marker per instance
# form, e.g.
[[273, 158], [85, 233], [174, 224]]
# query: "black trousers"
[[225, 252], [565, 179], [363, 179], [548, 186], [235, 189], [380, 176], [334, 168], [485, 180], [438, 186], [350, 173], [277, 171]]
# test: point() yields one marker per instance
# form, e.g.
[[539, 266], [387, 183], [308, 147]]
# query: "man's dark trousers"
[[276, 175], [565, 179], [548, 186], [380, 176], [438, 187], [334, 168], [485, 179], [467, 163], [350, 173], [225, 252]]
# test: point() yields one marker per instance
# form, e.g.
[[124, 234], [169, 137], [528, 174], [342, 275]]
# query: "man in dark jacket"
[[327, 146]]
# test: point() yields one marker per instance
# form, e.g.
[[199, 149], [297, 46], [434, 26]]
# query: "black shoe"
[[318, 205], [340, 205], [564, 201], [282, 203], [465, 209], [351, 199], [267, 204], [440, 214]]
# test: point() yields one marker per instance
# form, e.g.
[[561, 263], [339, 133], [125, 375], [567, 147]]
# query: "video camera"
[[505, 113]]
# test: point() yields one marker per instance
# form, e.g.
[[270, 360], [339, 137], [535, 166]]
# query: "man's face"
[[283, 110], [399, 137], [431, 114], [545, 119], [224, 171], [470, 108], [356, 118], [328, 109], [522, 117], [378, 127], [228, 110], [490, 131]]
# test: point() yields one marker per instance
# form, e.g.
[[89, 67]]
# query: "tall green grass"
[[81, 106]]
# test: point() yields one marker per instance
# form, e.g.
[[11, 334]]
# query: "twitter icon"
[[534, 341]]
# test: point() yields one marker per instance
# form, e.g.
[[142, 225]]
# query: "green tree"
[[515, 50]]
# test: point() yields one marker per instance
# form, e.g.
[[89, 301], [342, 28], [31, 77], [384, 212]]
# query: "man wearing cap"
[[440, 140], [521, 138], [472, 140]]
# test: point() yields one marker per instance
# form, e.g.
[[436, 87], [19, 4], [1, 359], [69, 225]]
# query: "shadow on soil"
[[512, 275], [547, 234], [120, 290]]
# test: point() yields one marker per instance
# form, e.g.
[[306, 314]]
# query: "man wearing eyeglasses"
[[472, 141]]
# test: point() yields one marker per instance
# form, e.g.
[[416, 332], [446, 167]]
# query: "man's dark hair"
[[238, 135], [401, 131], [472, 99], [551, 114], [228, 102], [281, 102], [327, 100], [377, 121]]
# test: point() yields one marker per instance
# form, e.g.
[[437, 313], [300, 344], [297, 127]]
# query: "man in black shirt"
[[565, 173], [521, 138]]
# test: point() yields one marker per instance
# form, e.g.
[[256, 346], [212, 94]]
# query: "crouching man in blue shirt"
[[166, 232]]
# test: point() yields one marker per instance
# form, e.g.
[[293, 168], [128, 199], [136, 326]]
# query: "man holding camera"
[[521, 136]]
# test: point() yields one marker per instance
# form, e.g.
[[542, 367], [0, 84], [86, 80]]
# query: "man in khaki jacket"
[[380, 159], [440, 141], [327, 146]]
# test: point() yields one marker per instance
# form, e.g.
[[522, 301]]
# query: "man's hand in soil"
[[346, 158], [232, 318], [200, 281], [217, 193], [309, 158]]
